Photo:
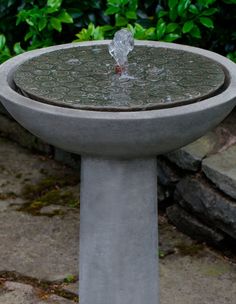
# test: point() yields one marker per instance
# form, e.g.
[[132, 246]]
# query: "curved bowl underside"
[[118, 134]]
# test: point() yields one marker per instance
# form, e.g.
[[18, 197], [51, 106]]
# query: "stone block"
[[19, 293], [222, 137], [191, 226], [220, 168], [206, 203], [190, 156], [167, 174]]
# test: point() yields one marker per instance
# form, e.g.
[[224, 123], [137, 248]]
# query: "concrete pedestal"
[[118, 232]]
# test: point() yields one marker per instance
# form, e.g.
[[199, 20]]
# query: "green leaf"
[[106, 28], [195, 32], [42, 23], [2, 41], [232, 56], [121, 21], [150, 33], [181, 8], [160, 30], [130, 28], [91, 29], [210, 12], [162, 13], [83, 35], [112, 10], [139, 31], [193, 9], [124, 2], [172, 3], [171, 37], [98, 33], [51, 10], [18, 49], [54, 3], [187, 26], [65, 17], [207, 22], [56, 24], [113, 2], [131, 15], [30, 22], [133, 4], [173, 14], [28, 35], [171, 27]]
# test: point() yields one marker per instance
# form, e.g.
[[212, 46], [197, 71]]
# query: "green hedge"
[[29, 24]]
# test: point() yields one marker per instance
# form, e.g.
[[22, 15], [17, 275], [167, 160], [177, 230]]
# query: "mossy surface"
[[7, 195], [51, 182], [51, 190], [190, 249], [70, 279], [44, 289], [216, 270]]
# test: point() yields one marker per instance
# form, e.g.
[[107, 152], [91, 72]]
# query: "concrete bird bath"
[[69, 96]]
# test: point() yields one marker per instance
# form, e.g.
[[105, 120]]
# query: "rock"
[[72, 287], [200, 199], [56, 300], [52, 209], [163, 194], [170, 239], [38, 246], [222, 137], [221, 170], [197, 280], [18, 293], [190, 156], [19, 167], [192, 227], [167, 175]]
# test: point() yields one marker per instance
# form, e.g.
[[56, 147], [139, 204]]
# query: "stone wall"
[[197, 183], [201, 181]]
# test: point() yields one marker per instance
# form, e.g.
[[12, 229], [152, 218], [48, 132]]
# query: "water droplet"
[[121, 45]]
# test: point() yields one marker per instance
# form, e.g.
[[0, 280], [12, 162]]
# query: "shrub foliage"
[[30, 24]]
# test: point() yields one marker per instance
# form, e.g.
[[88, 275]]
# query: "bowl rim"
[[8, 94]]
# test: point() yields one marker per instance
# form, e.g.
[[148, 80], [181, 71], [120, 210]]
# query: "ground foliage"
[[30, 24]]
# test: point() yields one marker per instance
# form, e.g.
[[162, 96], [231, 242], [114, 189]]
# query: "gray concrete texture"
[[118, 231], [126, 134], [44, 248]]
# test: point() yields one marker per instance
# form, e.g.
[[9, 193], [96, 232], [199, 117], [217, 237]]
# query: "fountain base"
[[118, 231]]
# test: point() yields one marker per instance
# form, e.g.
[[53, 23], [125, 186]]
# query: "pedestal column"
[[118, 232]]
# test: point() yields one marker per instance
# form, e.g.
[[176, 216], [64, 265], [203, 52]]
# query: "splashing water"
[[119, 48]]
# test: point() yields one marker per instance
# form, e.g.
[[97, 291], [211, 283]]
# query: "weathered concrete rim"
[[8, 93]]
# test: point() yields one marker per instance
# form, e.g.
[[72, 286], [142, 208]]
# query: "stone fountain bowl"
[[118, 134]]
